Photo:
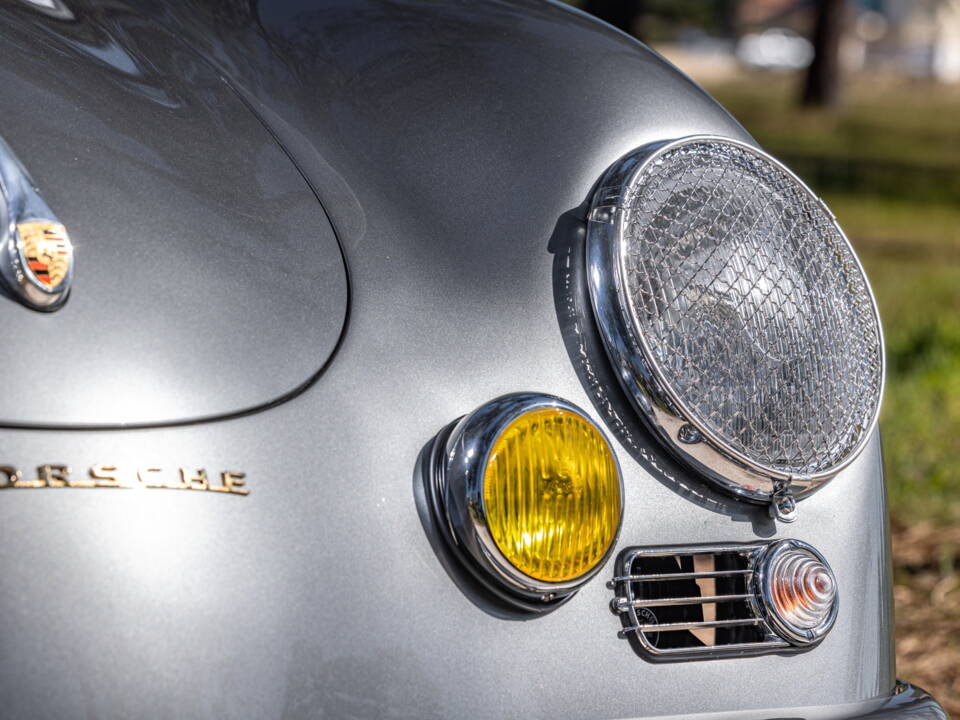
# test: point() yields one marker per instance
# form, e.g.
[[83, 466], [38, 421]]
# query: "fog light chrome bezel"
[[457, 489]]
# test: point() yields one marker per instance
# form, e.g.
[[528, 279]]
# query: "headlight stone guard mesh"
[[737, 311]]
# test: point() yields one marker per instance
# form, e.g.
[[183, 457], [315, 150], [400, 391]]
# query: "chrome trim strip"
[[682, 576], [736, 649], [668, 627], [660, 602]]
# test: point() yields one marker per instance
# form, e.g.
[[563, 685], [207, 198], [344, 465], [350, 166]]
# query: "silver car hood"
[[208, 280]]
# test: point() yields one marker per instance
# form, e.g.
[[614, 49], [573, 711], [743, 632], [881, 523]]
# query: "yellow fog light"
[[531, 490], [551, 493]]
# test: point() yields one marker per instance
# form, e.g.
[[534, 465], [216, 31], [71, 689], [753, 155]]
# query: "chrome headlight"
[[736, 314]]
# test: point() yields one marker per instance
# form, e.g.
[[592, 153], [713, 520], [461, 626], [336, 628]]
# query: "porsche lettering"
[[111, 476]]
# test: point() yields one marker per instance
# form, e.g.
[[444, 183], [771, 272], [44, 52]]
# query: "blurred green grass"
[[888, 164]]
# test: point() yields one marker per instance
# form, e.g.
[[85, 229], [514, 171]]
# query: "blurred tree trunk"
[[622, 14], [727, 17], [824, 81]]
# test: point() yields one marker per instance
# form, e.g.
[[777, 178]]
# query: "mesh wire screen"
[[752, 306]]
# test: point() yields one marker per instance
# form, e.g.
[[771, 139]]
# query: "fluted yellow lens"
[[551, 492]]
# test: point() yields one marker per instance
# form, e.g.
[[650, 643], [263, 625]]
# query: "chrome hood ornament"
[[36, 255]]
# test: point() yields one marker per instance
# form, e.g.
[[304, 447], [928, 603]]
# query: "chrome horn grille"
[[699, 601]]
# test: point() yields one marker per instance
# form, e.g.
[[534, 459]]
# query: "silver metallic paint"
[[449, 143]]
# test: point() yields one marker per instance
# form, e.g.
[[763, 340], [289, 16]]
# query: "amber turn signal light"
[[798, 591]]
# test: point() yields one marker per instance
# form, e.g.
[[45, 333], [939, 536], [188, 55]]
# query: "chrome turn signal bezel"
[[794, 634], [461, 453]]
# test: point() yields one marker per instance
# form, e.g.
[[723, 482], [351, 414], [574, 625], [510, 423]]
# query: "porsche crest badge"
[[46, 252], [36, 256]]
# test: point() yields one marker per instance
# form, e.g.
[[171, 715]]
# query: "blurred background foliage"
[[878, 136]]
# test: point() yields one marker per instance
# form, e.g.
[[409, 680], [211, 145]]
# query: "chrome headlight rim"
[[662, 409], [458, 482]]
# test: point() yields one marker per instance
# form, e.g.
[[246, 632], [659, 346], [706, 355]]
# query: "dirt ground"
[[927, 594]]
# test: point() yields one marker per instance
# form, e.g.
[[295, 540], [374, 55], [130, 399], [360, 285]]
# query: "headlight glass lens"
[[750, 307], [551, 494]]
